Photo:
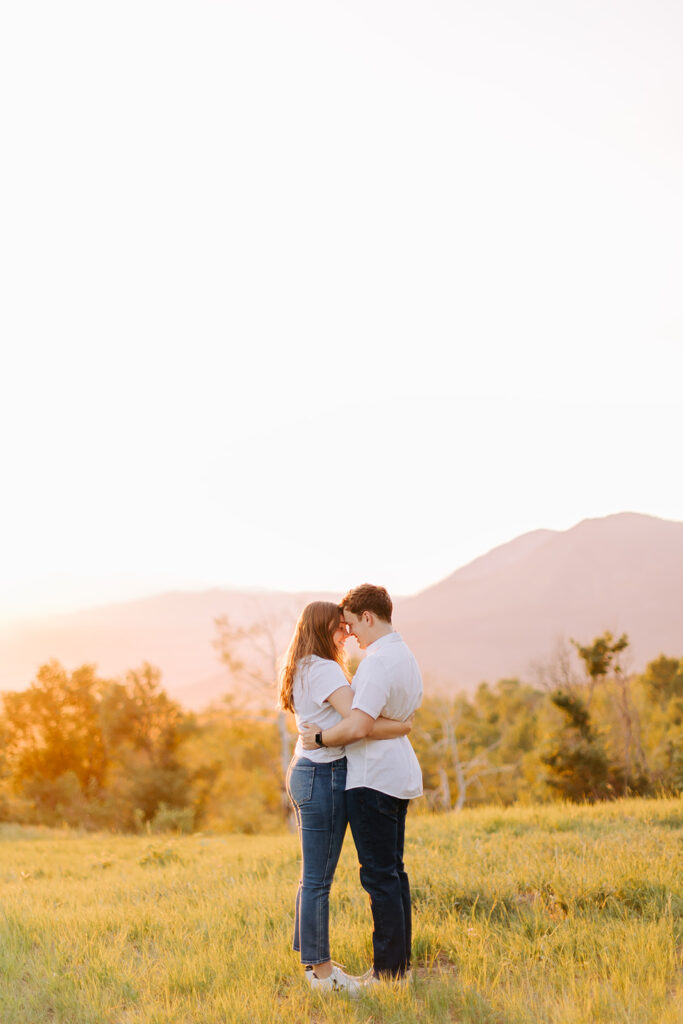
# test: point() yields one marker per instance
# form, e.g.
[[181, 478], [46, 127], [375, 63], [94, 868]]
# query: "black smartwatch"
[[319, 739]]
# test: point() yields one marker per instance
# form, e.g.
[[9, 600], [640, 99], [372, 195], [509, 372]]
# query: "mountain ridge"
[[623, 572], [496, 616]]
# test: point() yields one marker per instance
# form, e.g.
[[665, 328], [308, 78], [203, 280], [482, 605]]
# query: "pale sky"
[[304, 294]]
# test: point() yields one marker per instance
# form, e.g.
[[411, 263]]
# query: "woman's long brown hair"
[[313, 634]]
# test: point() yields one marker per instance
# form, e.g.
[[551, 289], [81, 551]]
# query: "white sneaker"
[[370, 973], [338, 981]]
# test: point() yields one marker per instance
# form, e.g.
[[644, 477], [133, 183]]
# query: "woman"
[[314, 684]]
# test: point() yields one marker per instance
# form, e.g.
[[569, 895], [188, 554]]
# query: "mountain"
[[498, 616], [175, 632], [506, 611]]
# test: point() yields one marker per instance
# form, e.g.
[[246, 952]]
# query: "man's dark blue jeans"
[[378, 826]]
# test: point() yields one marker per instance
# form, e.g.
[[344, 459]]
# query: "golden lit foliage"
[[234, 759], [91, 751], [122, 755]]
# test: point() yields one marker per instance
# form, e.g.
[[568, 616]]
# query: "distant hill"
[[507, 610], [175, 632], [495, 617]]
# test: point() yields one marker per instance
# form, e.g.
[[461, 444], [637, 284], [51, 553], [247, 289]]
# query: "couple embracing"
[[354, 764]]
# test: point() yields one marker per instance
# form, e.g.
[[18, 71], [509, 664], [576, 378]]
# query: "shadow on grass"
[[646, 900], [443, 998]]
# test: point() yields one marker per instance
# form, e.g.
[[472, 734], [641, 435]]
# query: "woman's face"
[[341, 632]]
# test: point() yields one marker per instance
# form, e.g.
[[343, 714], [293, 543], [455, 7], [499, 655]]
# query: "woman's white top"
[[315, 679]]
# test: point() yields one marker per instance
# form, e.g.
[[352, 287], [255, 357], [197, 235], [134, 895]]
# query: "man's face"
[[359, 627]]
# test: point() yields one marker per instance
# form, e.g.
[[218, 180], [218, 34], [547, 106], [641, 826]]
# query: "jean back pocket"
[[300, 783]]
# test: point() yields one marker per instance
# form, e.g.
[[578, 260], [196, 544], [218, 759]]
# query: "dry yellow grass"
[[560, 915]]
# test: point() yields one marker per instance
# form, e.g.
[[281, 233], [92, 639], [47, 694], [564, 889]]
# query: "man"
[[382, 775]]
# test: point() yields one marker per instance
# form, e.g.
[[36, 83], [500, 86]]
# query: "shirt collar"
[[383, 641]]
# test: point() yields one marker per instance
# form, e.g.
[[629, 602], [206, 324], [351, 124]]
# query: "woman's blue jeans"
[[317, 793]]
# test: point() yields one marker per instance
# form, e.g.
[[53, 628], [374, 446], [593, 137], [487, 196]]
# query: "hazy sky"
[[304, 294]]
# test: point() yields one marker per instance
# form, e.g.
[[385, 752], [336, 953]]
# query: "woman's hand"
[[408, 724], [307, 733]]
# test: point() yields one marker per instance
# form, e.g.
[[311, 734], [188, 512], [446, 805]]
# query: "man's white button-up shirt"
[[387, 682]]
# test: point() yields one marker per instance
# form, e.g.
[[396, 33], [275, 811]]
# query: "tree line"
[[96, 753], [582, 736]]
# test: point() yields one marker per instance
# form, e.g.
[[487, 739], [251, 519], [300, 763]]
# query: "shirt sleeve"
[[371, 687], [325, 678]]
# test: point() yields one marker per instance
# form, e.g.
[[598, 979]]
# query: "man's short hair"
[[367, 598]]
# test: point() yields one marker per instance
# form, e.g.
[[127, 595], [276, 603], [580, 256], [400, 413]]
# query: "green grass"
[[564, 915]]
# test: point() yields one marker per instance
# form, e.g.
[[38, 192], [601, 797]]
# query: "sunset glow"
[[301, 295]]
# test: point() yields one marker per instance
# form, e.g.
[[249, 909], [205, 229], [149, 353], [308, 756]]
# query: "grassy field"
[[556, 914]]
